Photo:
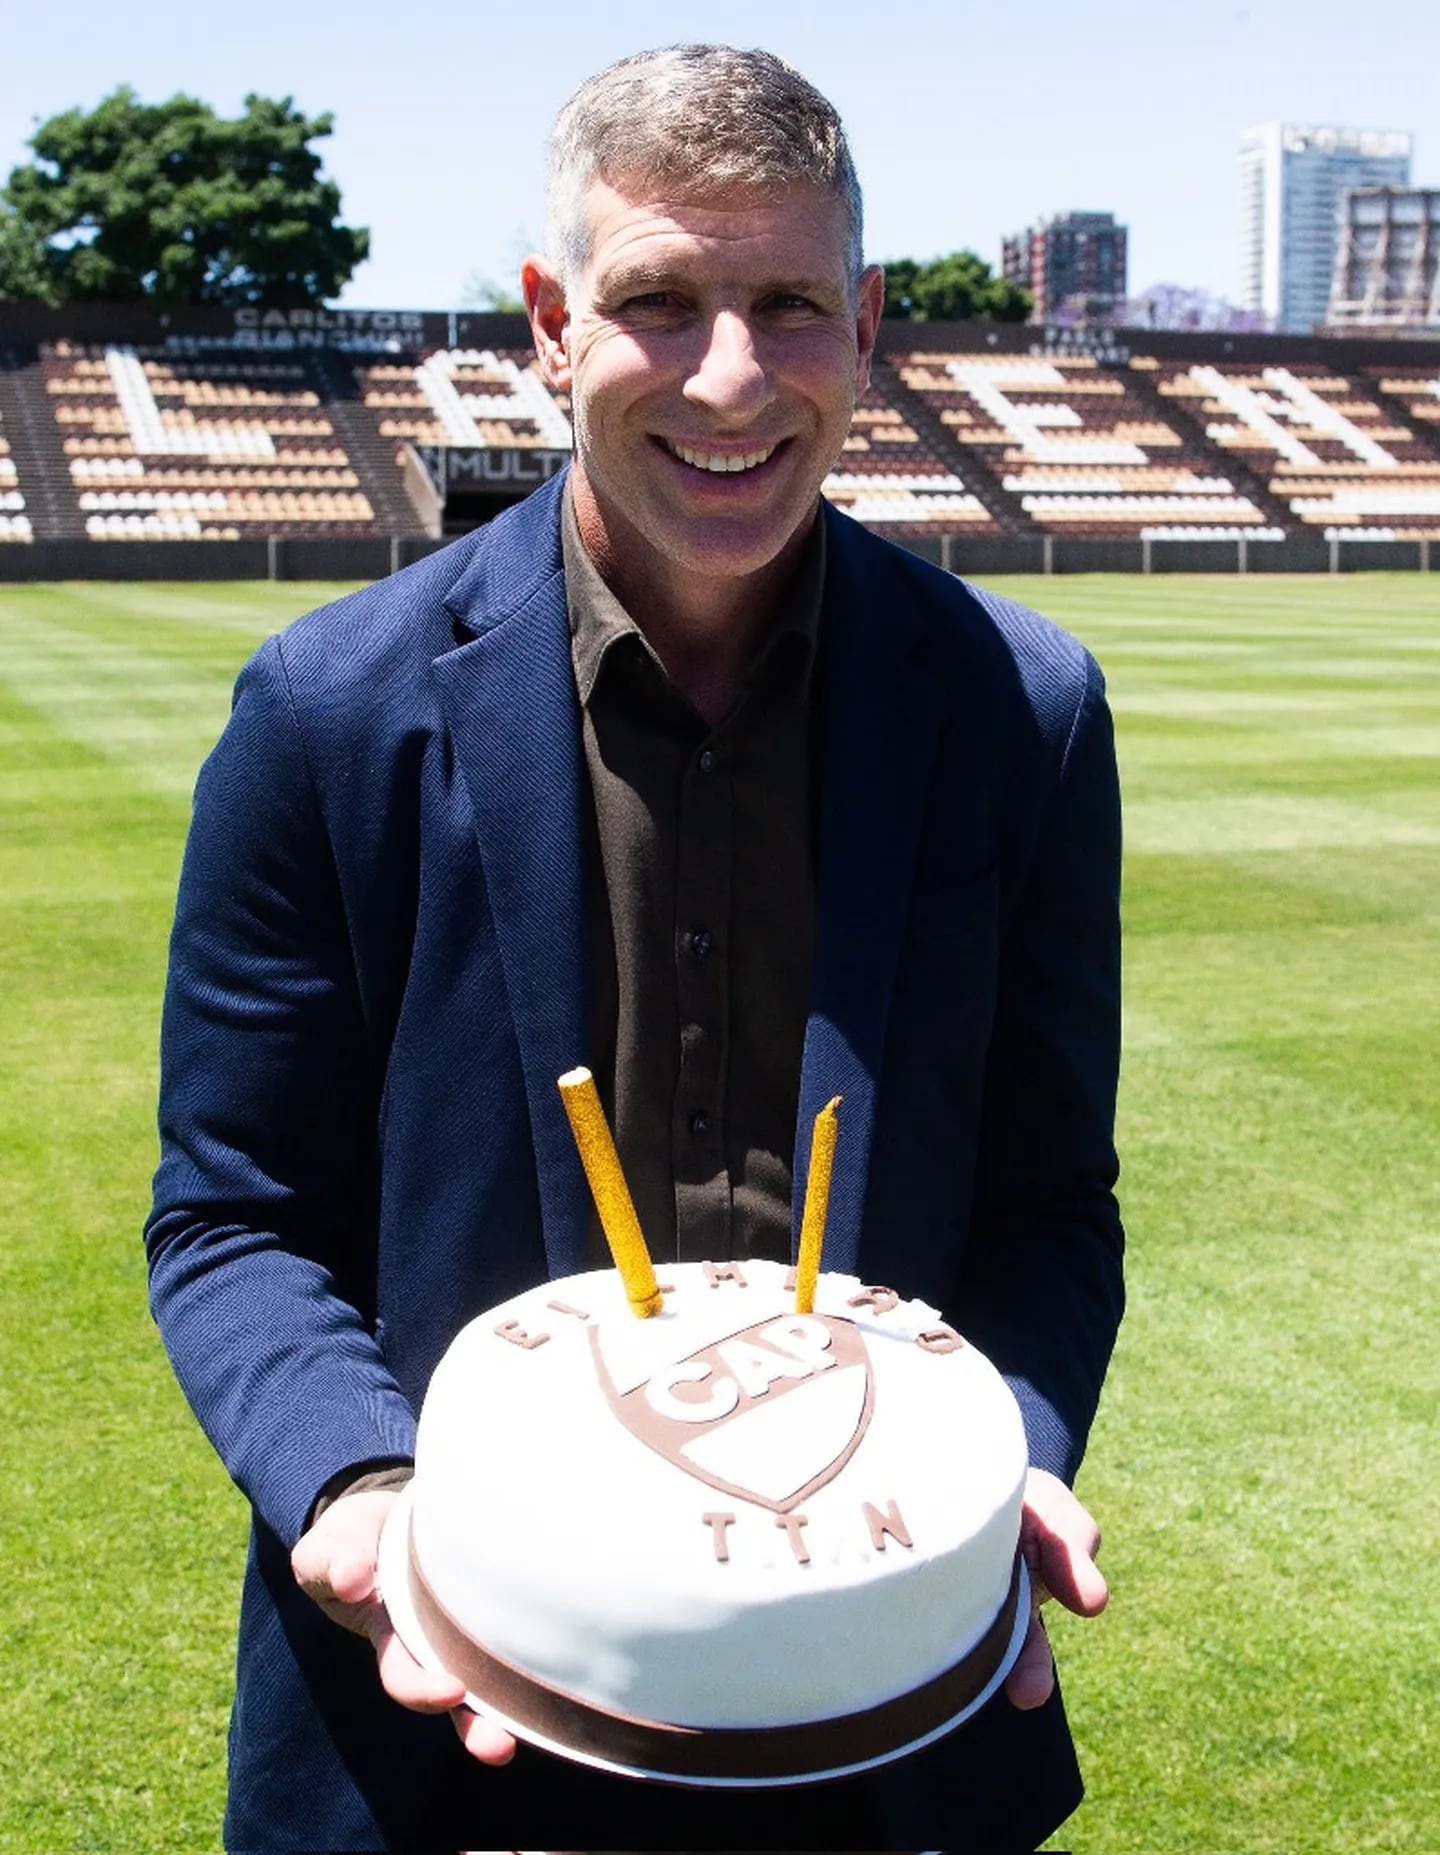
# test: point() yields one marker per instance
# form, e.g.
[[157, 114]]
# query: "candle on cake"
[[817, 1198], [612, 1195]]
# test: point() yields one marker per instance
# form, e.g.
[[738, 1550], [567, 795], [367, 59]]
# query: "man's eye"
[[790, 299]]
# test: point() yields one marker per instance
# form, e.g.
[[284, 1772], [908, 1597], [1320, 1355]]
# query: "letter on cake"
[[888, 1522], [717, 1524], [805, 1336], [881, 1299], [721, 1398], [941, 1339], [512, 1331], [718, 1272], [792, 1524]]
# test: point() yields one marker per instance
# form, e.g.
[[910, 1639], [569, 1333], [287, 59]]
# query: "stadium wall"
[[269, 558], [1041, 554], [279, 558]]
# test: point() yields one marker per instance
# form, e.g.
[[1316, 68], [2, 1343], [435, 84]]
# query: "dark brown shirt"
[[702, 910], [701, 877]]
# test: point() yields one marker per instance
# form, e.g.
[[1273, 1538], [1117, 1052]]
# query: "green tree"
[[956, 288], [171, 203], [24, 275]]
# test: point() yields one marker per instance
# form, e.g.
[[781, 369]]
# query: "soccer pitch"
[[1263, 1465]]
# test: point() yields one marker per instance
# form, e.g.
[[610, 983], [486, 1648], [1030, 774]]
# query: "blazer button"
[[702, 943], [699, 1124]]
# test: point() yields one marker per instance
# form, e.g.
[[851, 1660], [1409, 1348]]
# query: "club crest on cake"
[[768, 1412]]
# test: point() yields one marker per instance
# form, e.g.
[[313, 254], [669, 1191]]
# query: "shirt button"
[[702, 944], [707, 761], [699, 1124]]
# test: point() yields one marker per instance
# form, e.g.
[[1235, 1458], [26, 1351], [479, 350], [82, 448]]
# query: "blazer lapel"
[[882, 718], [509, 697]]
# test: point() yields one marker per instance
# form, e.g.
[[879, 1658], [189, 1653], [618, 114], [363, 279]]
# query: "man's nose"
[[730, 377]]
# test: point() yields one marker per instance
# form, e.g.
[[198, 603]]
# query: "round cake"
[[728, 1544]]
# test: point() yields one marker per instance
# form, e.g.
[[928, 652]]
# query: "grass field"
[[1264, 1465]]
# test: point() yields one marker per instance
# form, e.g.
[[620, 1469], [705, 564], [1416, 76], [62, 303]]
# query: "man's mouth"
[[721, 462]]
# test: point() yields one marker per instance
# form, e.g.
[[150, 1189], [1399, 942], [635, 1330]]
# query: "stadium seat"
[[153, 438], [1079, 452], [14, 523], [1324, 441]]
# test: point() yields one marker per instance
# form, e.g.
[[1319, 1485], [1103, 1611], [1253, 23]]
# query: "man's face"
[[713, 354]]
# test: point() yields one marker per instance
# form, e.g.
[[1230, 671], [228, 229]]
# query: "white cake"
[[726, 1544]]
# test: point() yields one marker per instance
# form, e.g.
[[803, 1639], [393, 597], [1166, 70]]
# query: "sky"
[[967, 121]]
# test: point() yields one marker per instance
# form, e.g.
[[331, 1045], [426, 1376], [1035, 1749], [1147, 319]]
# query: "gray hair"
[[699, 119]]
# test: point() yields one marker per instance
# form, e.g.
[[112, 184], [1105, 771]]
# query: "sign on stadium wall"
[[500, 468], [1101, 345], [327, 328], [405, 332]]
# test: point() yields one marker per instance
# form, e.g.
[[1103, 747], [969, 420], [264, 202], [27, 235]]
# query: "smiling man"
[[677, 772], [715, 347]]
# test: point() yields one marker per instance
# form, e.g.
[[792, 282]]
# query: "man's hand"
[[335, 1564], [1059, 1540]]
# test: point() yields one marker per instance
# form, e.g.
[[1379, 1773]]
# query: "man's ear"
[[549, 319], [870, 304]]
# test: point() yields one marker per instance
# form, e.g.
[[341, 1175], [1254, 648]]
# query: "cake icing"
[[718, 1522]]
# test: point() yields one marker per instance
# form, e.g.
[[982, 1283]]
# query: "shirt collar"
[[598, 620]]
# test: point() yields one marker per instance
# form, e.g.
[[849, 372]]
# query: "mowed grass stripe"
[[1275, 822], [179, 616], [1261, 1461], [116, 685]]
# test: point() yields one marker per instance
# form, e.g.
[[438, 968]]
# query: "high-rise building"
[[1075, 258], [1293, 181], [1387, 267]]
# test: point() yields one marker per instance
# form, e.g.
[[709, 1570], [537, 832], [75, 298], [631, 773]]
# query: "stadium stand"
[[1331, 452], [1071, 442], [387, 428], [468, 397], [175, 447], [1414, 391], [889, 478], [14, 522]]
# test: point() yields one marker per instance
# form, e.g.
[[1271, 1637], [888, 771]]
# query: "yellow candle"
[[611, 1193], [817, 1197]]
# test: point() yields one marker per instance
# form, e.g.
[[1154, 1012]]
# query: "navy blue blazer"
[[379, 968]]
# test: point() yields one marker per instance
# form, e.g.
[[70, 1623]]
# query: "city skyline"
[[965, 127], [1295, 178]]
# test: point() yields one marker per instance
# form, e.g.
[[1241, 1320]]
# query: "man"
[[677, 772]]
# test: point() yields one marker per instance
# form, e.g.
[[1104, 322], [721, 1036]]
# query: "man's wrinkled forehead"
[[651, 229]]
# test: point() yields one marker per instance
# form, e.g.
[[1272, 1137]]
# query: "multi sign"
[[501, 469]]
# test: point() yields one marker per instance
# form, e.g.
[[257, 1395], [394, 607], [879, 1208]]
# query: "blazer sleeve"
[[260, 1240], [1041, 1282]]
